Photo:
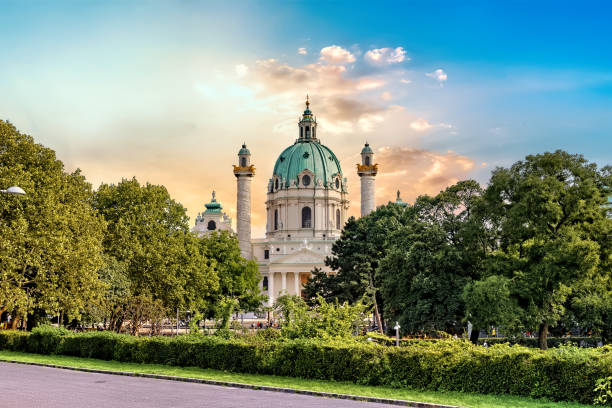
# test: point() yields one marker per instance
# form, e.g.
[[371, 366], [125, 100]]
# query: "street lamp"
[[14, 190], [397, 327]]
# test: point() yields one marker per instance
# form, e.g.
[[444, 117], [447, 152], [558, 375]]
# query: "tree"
[[320, 284], [489, 303], [431, 258], [51, 246], [148, 235], [548, 216], [355, 258], [238, 287]]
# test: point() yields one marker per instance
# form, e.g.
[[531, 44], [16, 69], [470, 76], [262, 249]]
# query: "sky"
[[442, 90]]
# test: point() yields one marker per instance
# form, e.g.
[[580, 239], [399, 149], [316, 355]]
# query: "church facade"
[[306, 207]]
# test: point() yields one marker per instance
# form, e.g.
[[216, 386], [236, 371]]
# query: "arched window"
[[337, 183], [243, 161], [212, 225], [275, 220], [276, 184], [338, 219], [265, 283], [306, 180], [307, 132], [306, 217], [367, 160], [301, 132]]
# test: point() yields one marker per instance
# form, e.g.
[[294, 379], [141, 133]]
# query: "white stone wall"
[[221, 220], [243, 215], [368, 189], [289, 204]]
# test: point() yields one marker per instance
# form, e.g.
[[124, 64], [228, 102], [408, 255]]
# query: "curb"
[[389, 401]]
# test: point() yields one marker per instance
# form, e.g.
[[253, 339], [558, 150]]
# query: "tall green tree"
[[355, 257], [51, 245], [238, 287], [549, 218], [148, 234], [431, 258]]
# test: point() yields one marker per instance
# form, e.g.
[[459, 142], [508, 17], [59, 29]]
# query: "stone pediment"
[[302, 256]]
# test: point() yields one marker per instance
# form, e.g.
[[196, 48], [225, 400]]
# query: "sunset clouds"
[[412, 171], [168, 92]]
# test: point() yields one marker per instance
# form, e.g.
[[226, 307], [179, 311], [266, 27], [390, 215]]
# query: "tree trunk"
[[60, 320], [377, 317], [474, 335], [543, 336]]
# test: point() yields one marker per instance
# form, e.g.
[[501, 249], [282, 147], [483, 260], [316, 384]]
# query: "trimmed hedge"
[[565, 373], [534, 341]]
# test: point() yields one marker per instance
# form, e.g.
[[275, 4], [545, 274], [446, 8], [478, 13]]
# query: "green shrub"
[[44, 339], [603, 391], [564, 373], [14, 340], [534, 341]]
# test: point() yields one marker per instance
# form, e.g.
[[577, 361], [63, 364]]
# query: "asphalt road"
[[25, 386]]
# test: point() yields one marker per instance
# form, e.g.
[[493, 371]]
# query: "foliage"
[[51, 242], [533, 342], [355, 258], [564, 373], [604, 391], [430, 259], [591, 306], [489, 303], [324, 320], [547, 214], [238, 287], [148, 236]]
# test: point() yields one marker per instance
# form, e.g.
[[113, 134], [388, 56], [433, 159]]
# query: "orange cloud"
[[412, 171]]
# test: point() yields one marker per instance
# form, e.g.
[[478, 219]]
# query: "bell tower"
[[244, 172], [367, 171]]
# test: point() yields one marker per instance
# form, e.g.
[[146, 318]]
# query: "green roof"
[[244, 150], [213, 206], [311, 155], [366, 149]]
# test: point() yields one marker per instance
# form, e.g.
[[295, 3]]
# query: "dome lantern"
[[307, 125]]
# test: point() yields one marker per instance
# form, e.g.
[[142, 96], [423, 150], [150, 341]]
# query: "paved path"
[[27, 386]]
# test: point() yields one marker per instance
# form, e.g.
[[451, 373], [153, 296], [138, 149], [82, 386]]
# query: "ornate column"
[[271, 294], [296, 283], [284, 282], [244, 174], [367, 171]]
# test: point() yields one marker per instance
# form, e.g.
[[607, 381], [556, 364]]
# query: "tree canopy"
[[51, 246]]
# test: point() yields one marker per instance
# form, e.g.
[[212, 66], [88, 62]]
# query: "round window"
[[337, 183], [306, 180]]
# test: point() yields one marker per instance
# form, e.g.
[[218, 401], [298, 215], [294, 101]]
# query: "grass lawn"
[[451, 398]]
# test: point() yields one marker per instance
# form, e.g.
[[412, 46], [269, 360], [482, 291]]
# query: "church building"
[[307, 205]]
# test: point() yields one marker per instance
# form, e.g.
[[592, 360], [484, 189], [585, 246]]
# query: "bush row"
[[565, 373], [552, 341]]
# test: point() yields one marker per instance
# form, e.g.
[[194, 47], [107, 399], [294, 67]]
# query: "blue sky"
[[166, 91]]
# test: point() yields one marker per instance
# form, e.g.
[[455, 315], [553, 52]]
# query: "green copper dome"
[[308, 155]]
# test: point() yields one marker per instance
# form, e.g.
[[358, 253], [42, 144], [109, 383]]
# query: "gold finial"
[[307, 102]]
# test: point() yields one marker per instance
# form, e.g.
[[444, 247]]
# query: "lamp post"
[[14, 190], [397, 327]]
